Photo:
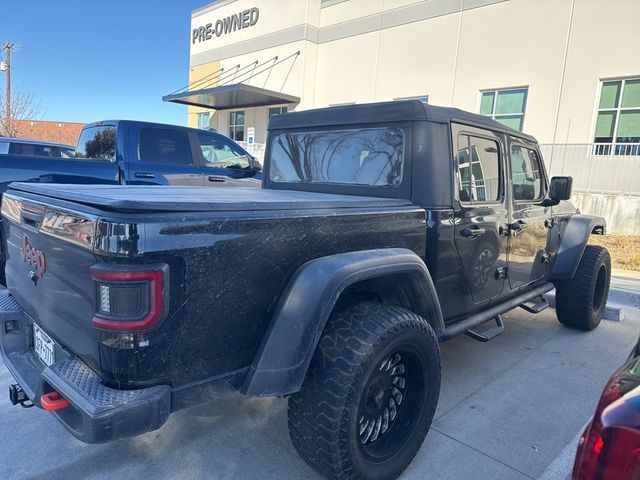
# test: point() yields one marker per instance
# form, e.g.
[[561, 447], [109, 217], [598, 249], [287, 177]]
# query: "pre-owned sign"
[[245, 19]]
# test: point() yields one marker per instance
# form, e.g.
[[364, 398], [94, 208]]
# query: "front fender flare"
[[572, 245], [281, 362]]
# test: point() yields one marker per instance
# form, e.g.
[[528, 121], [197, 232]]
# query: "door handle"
[[217, 178], [518, 226], [144, 175], [473, 232]]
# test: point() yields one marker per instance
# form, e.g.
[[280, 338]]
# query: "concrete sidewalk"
[[508, 409]]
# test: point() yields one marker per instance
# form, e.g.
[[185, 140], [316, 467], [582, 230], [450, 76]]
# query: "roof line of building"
[[359, 26], [210, 6]]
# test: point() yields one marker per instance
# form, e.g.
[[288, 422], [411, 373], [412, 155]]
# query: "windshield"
[[370, 156]]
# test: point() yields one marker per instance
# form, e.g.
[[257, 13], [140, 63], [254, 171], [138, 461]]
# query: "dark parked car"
[[380, 231], [610, 446], [25, 146], [126, 152]]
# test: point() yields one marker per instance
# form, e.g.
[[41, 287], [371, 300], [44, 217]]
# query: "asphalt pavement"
[[509, 409]]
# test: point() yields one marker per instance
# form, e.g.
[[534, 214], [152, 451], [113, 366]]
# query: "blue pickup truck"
[[138, 153]]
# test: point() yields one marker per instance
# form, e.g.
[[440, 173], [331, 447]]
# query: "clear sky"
[[88, 60]]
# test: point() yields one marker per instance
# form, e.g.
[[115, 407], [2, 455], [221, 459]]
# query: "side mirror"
[[560, 188], [256, 166]]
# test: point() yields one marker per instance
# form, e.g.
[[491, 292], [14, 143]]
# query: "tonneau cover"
[[189, 199]]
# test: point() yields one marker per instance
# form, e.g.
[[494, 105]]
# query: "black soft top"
[[383, 112]]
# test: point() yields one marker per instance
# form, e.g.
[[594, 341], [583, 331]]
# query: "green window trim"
[[618, 115], [506, 106]]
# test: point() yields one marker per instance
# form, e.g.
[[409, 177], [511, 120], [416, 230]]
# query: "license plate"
[[43, 345]]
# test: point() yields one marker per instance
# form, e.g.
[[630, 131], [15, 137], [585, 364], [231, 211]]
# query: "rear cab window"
[[164, 146], [373, 157], [97, 142]]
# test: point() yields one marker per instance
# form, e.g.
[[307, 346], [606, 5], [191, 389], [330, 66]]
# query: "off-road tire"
[[326, 416], [580, 302]]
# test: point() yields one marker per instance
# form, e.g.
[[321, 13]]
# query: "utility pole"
[[7, 67]]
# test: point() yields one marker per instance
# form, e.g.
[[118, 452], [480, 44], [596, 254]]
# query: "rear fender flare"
[[281, 363], [572, 245]]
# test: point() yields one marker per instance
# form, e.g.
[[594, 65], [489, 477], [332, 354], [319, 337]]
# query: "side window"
[[168, 147], [97, 142], [22, 149], [47, 151], [4, 147], [67, 152], [526, 174], [219, 153], [478, 169]]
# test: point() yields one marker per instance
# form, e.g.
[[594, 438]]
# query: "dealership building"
[[565, 71]]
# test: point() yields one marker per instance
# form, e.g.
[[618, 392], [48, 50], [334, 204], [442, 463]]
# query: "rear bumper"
[[97, 413]]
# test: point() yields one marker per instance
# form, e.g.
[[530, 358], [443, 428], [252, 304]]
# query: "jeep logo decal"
[[34, 258]]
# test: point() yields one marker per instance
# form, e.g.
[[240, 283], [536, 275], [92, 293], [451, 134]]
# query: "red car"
[[610, 446]]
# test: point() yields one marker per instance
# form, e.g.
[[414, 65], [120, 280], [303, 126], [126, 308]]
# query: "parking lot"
[[509, 409]]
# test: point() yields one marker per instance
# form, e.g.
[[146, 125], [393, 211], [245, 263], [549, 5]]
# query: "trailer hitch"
[[17, 396]]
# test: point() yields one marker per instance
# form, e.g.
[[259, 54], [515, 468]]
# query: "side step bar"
[[479, 318], [536, 305], [489, 333]]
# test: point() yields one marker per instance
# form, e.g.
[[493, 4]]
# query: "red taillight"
[[128, 300], [610, 446]]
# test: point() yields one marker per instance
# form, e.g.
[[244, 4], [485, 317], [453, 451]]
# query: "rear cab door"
[[225, 162], [157, 155], [529, 220], [481, 213]]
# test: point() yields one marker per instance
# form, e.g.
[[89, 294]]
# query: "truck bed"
[[229, 254], [199, 199]]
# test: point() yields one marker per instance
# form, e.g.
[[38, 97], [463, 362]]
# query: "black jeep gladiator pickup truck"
[[380, 231]]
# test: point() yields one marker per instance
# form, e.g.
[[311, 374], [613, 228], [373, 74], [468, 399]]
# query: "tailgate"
[[48, 259]]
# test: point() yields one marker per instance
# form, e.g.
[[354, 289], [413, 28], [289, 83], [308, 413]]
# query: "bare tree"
[[23, 107]]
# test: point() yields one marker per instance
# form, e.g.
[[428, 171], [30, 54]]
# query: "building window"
[[424, 99], [236, 126], [203, 121], [505, 106], [618, 121], [277, 111]]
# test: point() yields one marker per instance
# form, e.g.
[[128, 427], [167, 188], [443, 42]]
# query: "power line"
[[71, 82]]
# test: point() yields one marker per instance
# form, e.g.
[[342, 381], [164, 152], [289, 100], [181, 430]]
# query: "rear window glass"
[[97, 142], [170, 147], [371, 156]]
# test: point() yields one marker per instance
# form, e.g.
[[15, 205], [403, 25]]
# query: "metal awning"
[[226, 97]]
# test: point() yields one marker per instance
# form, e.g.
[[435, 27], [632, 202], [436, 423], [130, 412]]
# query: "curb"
[[619, 301], [624, 297]]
